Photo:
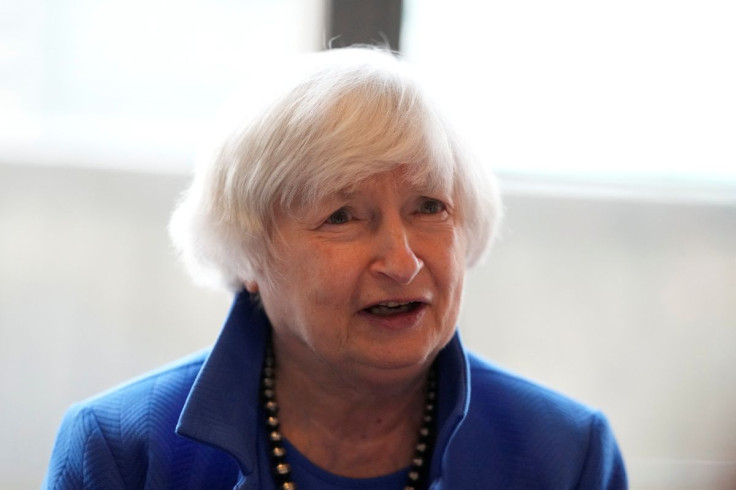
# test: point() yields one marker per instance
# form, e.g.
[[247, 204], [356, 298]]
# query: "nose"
[[395, 257]]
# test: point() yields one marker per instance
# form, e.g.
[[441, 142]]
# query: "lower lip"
[[399, 321]]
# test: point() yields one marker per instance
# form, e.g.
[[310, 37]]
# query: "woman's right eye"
[[339, 217]]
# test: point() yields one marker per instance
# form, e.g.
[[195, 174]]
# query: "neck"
[[350, 427]]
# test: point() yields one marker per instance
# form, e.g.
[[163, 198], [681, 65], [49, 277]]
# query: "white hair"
[[349, 114]]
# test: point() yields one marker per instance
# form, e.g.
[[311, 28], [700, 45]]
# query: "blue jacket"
[[196, 424]]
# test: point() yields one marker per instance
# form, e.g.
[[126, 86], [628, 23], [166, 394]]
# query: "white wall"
[[630, 306], [626, 304]]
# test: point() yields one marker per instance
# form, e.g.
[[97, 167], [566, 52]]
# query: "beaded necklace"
[[281, 469]]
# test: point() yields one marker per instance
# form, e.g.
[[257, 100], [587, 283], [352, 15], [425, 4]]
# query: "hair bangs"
[[370, 130]]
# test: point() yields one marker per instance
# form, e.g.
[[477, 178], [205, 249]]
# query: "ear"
[[251, 286]]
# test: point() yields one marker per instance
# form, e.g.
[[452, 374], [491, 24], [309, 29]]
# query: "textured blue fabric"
[[196, 424], [312, 477]]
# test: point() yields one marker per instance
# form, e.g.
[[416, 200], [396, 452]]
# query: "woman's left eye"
[[431, 206]]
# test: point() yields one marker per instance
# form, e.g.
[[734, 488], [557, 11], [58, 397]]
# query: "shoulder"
[[535, 436], [121, 431], [164, 384], [141, 405], [503, 393]]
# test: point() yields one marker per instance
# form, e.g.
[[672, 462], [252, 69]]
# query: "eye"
[[339, 217], [431, 206]]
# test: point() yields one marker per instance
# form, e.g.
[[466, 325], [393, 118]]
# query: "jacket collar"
[[453, 394], [222, 409]]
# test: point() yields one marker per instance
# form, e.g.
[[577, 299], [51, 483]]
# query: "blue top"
[[196, 424], [312, 477]]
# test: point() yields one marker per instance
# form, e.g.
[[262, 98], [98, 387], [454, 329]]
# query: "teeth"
[[390, 308]]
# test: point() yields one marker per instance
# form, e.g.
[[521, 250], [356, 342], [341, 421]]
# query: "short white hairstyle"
[[347, 115]]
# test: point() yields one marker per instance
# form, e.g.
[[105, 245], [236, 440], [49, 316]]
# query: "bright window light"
[[632, 89], [133, 83]]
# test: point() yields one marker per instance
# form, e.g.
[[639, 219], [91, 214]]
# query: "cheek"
[[453, 274], [328, 275], [453, 250]]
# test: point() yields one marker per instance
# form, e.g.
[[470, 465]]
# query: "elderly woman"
[[344, 216]]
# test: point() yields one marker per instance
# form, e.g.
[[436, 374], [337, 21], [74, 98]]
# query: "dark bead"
[[278, 452]]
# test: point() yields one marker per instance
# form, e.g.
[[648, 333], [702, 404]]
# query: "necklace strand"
[[282, 470]]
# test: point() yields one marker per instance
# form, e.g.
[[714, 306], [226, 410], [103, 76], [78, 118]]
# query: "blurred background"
[[612, 127]]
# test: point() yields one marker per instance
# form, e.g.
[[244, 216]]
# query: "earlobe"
[[251, 286]]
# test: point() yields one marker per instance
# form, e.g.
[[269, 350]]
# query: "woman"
[[344, 215]]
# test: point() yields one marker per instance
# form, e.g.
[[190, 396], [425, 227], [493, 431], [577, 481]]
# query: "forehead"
[[409, 179]]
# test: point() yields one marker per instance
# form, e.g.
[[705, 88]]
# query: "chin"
[[394, 368]]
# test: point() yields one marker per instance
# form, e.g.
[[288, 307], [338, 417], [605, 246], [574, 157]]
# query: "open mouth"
[[393, 308]]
